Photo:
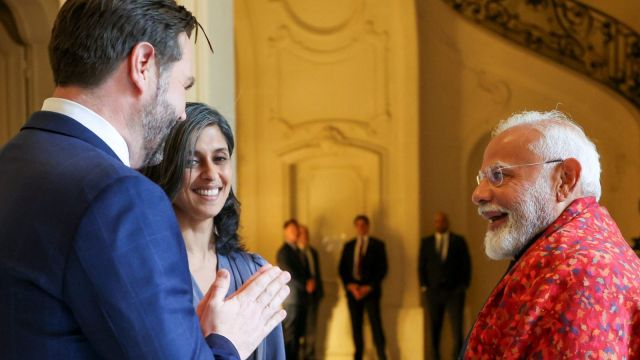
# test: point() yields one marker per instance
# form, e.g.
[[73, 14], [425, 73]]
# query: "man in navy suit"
[[290, 258], [444, 269], [363, 265], [92, 263]]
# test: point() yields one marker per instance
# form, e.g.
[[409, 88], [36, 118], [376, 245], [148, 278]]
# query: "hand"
[[311, 286], [250, 313], [365, 290], [353, 288]]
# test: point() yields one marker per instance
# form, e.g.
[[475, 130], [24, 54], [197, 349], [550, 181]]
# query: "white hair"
[[561, 138]]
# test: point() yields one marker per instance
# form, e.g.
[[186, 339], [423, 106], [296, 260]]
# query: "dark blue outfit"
[[92, 261], [289, 259], [241, 266], [373, 270]]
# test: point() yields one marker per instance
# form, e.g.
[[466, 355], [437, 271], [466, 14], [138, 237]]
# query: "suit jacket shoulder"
[[378, 242], [345, 266], [104, 261], [288, 259]]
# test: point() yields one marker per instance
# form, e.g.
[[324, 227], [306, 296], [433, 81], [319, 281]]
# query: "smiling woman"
[[205, 179], [196, 174]]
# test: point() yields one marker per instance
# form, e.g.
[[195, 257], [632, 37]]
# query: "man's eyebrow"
[[190, 83], [499, 164]]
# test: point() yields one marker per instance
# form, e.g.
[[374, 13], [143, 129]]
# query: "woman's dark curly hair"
[[179, 145]]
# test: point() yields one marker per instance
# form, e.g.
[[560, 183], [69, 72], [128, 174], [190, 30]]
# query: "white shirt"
[[442, 244], [92, 121], [362, 241]]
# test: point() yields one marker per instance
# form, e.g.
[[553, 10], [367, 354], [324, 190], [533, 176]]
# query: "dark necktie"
[[360, 257]]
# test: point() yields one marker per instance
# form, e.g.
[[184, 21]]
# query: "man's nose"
[[482, 193]]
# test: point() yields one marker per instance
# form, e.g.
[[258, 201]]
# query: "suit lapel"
[[352, 250], [64, 125]]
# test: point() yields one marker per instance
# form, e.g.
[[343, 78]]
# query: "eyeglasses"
[[494, 174]]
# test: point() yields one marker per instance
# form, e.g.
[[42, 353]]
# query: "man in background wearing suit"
[[92, 262], [363, 265], [315, 292], [291, 259], [444, 269]]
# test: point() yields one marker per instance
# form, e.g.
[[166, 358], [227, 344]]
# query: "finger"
[[257, 286], [204, 302], [274, 320], [273, 288], [218, 290], [262, 269], [276, 302], [258, 273]]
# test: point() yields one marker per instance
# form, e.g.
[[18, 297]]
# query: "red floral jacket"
[[573, 294]]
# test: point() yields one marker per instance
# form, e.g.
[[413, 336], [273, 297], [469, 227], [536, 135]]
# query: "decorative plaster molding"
[[331, 151], [328, 140], [9, 22], [320, 17], [348, 84], [497, 88]]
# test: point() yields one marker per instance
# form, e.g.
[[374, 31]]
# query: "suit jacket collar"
[[64, 125]]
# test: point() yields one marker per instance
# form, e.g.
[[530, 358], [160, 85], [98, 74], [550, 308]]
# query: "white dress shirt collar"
[[442, 244], [92, 121]]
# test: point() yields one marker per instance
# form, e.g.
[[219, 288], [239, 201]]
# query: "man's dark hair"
[[291, 222], [362, 217], [90, 38]]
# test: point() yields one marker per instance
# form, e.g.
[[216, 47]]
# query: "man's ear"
[[570, 172], [142, 65]]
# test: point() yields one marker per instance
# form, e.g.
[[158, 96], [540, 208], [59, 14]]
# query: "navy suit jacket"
[[452, 273], [317, 275], [374, 266], [289, 259], [92, 262]]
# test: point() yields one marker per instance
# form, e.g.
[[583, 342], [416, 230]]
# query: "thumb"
[[212, 300], [218, 290]]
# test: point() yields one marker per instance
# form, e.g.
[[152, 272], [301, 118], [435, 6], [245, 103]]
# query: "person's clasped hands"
[[359, 291]]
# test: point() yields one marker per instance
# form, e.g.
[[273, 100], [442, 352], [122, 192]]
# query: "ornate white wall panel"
[[327, 129]]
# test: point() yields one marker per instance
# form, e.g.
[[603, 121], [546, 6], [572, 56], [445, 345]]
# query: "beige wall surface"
[[13, 100], [214, 71], [25, 75], [471, 78], [327, 128]]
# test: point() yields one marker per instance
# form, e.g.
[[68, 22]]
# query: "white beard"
[[531, 213]]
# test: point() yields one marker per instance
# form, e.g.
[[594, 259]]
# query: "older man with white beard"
[[573, 289]]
